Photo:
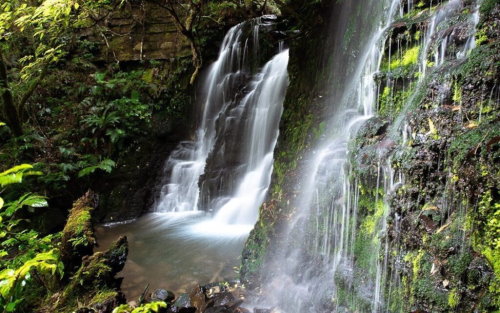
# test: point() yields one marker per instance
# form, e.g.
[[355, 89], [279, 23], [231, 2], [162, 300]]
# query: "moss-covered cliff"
[[440, 134]]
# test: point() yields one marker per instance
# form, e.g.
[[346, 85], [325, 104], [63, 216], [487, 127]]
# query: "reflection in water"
[[175, 251]]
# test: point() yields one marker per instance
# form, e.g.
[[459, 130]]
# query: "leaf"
[[99, 77], [11, 306], [106, 165], [16, 174], [17, 168], [432, 128], [1, 204], [13, 178], [34, 201]]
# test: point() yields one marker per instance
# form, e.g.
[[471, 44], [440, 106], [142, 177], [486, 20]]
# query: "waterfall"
[[266, 105], [310, 260], [226, 169], [318, 262]]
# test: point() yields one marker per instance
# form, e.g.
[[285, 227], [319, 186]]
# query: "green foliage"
[[392, 100], [151, 307], [16, 174], [106, 165], [486, 239], [453, 298], [36, 260], [487, 6]]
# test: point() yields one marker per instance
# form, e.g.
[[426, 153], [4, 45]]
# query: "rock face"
[[139, 31]]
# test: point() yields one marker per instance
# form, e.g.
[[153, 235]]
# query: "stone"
[[223, 298], [218, 309], [162, 295], [183, 301]]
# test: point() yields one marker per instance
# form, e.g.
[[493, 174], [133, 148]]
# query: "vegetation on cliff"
[[95, 94]]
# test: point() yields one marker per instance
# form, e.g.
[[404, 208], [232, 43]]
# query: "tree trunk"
[[8, 101]]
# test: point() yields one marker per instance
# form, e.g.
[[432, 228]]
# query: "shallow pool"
[[175, 251]]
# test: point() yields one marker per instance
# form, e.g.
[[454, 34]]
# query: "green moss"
[[410, 57], [255, 251], [486, 239], [453, 298], [103, 296], [393, 100], [370, 222], [487, 6], [457, 93], [469, 143], [480, 60], [416, 263]]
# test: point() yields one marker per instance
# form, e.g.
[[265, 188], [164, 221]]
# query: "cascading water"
[[239, 126], [309, 264], [233, 147], [266, 105], [320, 261]]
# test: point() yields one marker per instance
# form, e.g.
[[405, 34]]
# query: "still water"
[[175, 251]]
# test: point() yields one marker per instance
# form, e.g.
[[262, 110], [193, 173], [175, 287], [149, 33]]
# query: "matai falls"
[[214, 185]]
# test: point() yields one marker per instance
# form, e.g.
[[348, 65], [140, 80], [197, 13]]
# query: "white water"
[[311, 261], [318, 255], [255, 117], [187, 163], [436, 39]]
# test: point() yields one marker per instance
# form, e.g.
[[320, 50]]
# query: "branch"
[[33, 86]]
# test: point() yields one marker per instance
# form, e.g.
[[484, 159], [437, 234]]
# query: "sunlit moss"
[[410, 57], [453, 298]]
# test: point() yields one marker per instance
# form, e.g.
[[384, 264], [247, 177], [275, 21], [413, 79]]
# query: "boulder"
[[162, 295]]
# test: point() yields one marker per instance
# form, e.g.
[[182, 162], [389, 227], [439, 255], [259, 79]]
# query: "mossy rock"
[[78, 236], [94, 284]]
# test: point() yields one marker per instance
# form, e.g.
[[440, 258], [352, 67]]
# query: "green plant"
[[106, 165], [152, 307], [35, 259]]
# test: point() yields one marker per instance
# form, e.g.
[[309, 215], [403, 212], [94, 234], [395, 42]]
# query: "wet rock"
[[162, 295], [262, 310], [223, 298], [198, 299], [183, 301], [107, 305], [218, 309]]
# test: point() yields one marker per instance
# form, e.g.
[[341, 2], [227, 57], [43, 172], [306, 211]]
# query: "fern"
[[16, 174], [13, 281], [106, 165], [29, 199]]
